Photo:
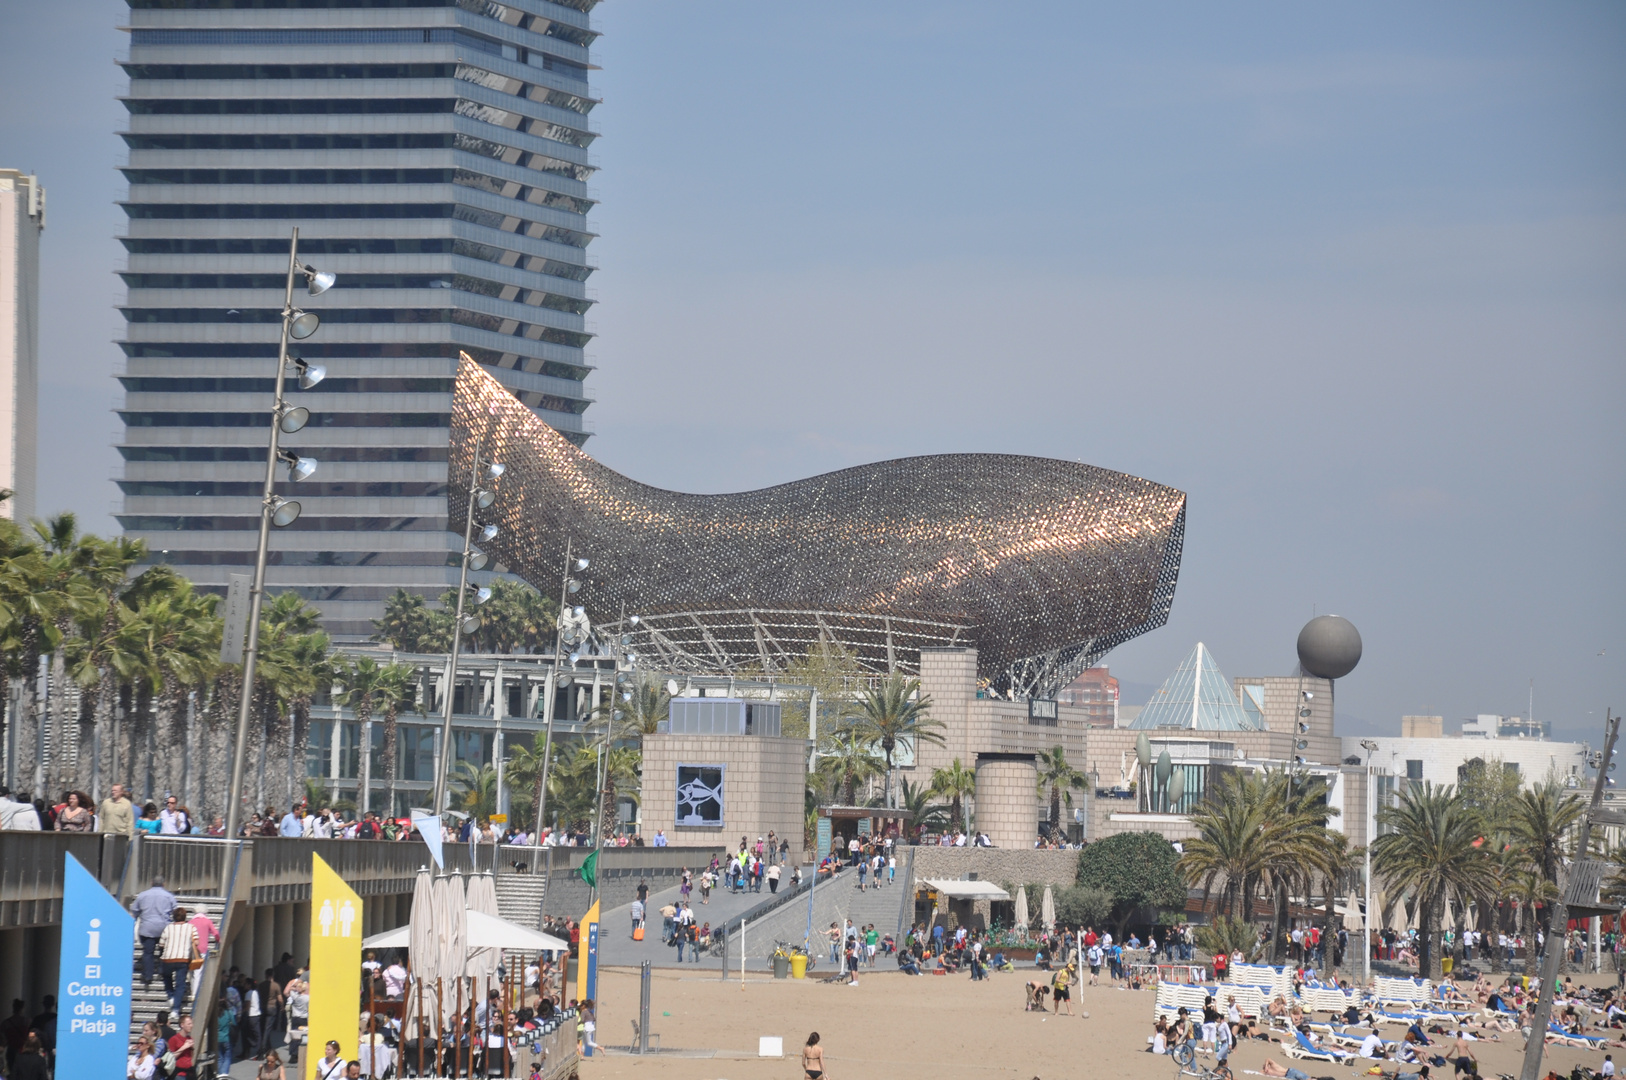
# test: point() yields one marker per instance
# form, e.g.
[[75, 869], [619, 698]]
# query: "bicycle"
[[1186, 1064], [788, 949]]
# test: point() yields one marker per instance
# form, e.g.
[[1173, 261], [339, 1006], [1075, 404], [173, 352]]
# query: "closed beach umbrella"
[[482, 963], [453, 905], [1047, 910], [423, 951], [1022, 916]]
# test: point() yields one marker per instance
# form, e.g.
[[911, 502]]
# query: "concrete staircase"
[[147, 1002], [519, 898]]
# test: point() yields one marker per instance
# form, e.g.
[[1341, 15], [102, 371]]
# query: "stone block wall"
[[1019, 867], [763, 781], [1007, 808]]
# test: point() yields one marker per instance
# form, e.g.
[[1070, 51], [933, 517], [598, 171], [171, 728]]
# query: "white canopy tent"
[[968, 890], [484, 932]]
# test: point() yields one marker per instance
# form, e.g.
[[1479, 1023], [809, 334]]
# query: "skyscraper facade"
[[433, 154], [22, 220]]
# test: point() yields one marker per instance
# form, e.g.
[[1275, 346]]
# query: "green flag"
[[589, 870]]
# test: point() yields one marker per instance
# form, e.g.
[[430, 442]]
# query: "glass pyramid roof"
[[1197, 697]]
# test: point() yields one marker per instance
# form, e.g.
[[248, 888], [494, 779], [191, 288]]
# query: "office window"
[[1414, 769]]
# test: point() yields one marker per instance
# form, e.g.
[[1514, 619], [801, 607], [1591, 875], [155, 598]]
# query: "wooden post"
[[440, 1025], [417, 984]]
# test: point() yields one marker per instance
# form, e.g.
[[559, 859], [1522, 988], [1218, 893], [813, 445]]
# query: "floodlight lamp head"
[[582, 564], [481, 595], [478, 560], [575, 658], [488, 534], [303, 324], [1308, 694], [672, 687], [572, 586], [483, 498], [309, 374], [317, 281], [565, 680], [633, 619], [299, 468], [578, 610], [493, 470], [1369, 746], [291, 420], [618, 714], [284, 512], [626, 639], [626, 695], [470, 624]]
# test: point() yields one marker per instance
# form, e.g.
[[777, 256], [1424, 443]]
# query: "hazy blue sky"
[[1350, 277]]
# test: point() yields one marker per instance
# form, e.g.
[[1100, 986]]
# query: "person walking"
[[178, 947], [813, 1058], [637, 916], [153, 911], [117, 814], [773, 878]]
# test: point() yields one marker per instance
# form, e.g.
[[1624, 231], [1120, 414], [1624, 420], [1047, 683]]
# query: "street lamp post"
[[1371, 826], [479, 498], [567, 586], [275, 510]]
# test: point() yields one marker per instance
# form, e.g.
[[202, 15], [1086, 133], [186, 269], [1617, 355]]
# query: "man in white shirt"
[[1372, 1045], [660, 838], [172, 820], [17, 816], [395, 981], [1608, 1068]]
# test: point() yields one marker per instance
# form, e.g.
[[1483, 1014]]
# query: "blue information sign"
[[592, 974], [93, 992]]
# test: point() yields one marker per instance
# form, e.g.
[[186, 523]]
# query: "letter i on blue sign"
[[93, 992]]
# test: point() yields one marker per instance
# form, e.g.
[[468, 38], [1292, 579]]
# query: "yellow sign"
[[335, 974], [499, 819], [588, 921]]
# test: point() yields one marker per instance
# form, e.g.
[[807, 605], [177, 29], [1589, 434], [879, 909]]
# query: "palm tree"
[[69, 557], [845, 761], [1532, 890], [1538, 818], [643, 705], [1431, 852], [405, 623], [1058, 775], [916, 801], [397, 685], [1298, 838], [111, 585], [474, 789], [171, 634], [895, 713], [361, 679], [314, 673], [622, 766], [1233, 842], [957, 783]]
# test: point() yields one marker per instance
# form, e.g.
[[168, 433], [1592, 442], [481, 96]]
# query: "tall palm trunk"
[[301, 716], [167, 744], [390, 753], [139, 724], [59, 768], [1532, 947], [219, 720], [278, 755], [30, 774], [92, 751]]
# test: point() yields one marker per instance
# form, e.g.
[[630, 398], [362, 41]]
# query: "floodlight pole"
[[438, 806], [251, 654], [1555, 949], [553, 691]]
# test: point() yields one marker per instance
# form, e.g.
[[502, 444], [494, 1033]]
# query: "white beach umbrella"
[[423, 951], [482, 962], [1047, 910], [453, 903], [1022, 916]]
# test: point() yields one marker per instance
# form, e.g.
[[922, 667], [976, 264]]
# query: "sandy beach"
[[897, 1027]]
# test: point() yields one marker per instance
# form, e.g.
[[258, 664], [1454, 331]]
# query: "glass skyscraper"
[[433, 154]]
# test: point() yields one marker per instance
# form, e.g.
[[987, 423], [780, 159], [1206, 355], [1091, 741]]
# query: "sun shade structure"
[[1197, 697], [967, 890], [1042, 565]]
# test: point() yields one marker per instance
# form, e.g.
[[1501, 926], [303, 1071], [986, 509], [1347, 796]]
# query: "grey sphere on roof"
[[1329, 647]]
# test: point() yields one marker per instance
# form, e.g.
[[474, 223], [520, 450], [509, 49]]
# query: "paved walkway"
[[616, 947]]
